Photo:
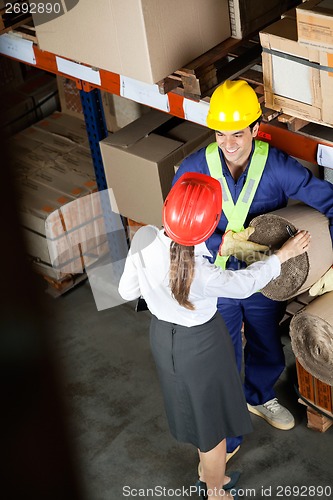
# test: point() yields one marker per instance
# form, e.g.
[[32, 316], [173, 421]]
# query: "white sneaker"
[[275, 414]]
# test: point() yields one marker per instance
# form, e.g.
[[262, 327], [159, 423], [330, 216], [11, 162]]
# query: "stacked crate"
[[56, 183], [298, 63], [118, 111]]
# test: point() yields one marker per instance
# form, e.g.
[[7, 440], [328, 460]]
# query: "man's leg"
[[264, 359], [263, 352]]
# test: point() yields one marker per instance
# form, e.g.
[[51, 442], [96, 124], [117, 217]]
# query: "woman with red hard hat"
[[204, 404]]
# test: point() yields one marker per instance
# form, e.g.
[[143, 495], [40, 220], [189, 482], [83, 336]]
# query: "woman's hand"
[[296, 245]]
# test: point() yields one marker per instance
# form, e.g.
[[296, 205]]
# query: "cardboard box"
[[315, 23], [118, 111], [139, 162], [147, 42], [57, 196], [297, 78], [69, 96], [65, 126], [248, 16], [60, 229], [208, 140]]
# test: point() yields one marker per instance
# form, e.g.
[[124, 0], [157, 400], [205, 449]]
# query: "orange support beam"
[[176, 102], [293, 143]]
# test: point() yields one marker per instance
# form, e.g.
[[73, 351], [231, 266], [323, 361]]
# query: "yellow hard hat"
[[233, 106]]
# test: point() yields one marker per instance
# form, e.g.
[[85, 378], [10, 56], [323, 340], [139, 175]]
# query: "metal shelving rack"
[[90, 80]]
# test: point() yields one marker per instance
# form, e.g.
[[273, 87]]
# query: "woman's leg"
[[213, 471]]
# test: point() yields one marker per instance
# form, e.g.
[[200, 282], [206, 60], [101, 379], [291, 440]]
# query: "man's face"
[[236, 145]]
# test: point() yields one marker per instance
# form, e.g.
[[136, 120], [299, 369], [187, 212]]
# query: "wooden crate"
[[319, 394], [316, 421], [314, 390]]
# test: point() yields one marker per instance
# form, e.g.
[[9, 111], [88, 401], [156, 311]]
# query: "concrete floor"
[[123, 446]]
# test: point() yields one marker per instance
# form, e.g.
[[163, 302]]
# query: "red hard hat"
[[192, 208]]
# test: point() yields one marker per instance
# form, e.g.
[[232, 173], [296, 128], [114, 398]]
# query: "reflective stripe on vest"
[[236, 214]]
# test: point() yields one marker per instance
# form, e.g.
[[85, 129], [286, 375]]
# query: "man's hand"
[[323, 285], [237, 244]]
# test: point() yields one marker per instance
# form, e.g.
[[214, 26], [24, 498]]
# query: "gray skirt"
[[201, 386]]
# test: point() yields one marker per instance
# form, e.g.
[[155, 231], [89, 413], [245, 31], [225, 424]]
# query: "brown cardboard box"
[[297, 78], [118, 111], [248, 16], [147, 41], [208, 140], [139, 162], [56, 190], [65, 126], [315, 24], [69, 96]]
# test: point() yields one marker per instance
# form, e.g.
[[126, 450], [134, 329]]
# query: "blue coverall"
[[283, 178]]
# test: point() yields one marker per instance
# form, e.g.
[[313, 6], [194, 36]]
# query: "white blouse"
[[146, 273]]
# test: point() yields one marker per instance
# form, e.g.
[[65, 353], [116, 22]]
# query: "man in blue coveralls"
[[255, 179]]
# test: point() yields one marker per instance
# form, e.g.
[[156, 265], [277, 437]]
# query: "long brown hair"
[[181, 273]]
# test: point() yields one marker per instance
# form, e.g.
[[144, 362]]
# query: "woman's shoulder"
[[145, 236]]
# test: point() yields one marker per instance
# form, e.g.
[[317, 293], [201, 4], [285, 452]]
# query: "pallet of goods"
[[298, 72], [56, 180]]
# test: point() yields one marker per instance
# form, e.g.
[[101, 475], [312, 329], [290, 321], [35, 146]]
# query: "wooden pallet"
[[26, 31], [293, 123], [10, 20], [315, 420], [228, 59], [56, 288]]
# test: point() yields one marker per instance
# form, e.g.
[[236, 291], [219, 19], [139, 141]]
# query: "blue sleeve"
[[299, 183]]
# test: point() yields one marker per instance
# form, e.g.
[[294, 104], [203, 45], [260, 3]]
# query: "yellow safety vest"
[[236, 214]]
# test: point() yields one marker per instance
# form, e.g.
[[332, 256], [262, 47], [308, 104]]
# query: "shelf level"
[[86, 78]]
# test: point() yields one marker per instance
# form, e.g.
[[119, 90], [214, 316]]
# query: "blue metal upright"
[[113, 222], [96, 130]]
